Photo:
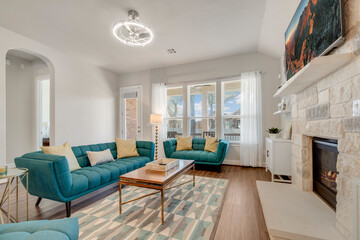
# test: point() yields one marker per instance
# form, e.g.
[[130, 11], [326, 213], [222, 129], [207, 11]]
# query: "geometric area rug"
[[190, 213]]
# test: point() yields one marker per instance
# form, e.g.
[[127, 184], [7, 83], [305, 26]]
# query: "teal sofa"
[[59, 229], [198, 154], [50, 177]]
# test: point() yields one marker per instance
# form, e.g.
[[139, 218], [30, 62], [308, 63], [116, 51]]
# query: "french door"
[[43, 111], [131, 113]]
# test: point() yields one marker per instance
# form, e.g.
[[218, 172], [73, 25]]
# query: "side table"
[[17, 175]]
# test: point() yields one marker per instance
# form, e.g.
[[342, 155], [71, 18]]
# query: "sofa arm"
[[222, 150], [146, 149], [49, 175], [169, 147]]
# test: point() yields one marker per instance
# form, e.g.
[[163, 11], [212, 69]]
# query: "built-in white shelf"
[[314, 71], [282, 111]]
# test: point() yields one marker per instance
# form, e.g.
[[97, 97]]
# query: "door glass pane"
[[131, 118]]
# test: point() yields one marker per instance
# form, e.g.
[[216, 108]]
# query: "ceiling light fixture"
[[131, 32]]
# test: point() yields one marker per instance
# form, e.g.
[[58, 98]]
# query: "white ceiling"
[[196, 29]]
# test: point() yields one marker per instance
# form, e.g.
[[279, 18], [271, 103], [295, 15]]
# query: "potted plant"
[[274, 132]]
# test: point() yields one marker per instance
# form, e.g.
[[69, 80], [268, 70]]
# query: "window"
[[231, 110], [202, 110], [174, 111]]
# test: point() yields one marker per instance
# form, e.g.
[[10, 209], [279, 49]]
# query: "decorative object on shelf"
[[287, 131], [156, 119], [282, 105], [274, 132], [163, 165], [131, 32]]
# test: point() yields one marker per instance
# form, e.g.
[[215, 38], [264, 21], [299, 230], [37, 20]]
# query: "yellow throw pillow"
[[63, 150], [211, 144], [184, 143], [126, 148]]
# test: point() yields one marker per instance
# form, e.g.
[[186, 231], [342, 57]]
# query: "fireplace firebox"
[[325, 153]]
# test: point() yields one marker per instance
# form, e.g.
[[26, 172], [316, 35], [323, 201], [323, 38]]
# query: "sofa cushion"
[[198, 144], [91, 177], [198, 156], [43, 229]]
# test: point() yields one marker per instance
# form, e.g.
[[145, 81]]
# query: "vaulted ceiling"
[[196, 29]]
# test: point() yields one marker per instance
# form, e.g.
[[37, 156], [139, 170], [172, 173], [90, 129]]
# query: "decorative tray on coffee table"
[[162, 165]]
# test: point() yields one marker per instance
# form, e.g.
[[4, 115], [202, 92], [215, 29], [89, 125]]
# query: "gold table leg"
[[194, 175], [162, 206], [9, 194], [17, 197], [120, 210], [27, 196]]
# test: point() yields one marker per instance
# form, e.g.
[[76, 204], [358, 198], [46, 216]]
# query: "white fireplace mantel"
[[317, 69]]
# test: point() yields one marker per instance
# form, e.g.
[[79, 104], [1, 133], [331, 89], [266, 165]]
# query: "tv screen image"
[[314, 30]]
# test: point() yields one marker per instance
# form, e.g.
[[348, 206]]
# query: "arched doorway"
[[29, 103]]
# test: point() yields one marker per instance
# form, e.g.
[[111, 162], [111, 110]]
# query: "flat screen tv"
[[315, 29]]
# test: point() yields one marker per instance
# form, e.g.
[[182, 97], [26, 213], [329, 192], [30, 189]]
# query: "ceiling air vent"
[[170, 51]]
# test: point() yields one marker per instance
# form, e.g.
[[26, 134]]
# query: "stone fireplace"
[[325, 110]]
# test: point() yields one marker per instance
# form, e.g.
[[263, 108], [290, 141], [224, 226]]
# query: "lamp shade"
[[156, 118]]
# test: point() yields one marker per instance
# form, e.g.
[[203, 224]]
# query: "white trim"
[[38, 108], [232, 162], [139, 90]]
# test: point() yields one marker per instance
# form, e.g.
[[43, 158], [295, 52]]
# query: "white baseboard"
[[235, 163], [232, 162]]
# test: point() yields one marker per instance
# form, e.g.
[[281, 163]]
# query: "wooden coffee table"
[[159, 181]]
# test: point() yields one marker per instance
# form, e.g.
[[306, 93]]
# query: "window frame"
[[188, 115], [166, 118], [219, 106], [223, 116]]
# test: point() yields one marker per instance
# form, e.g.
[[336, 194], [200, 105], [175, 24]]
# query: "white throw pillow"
[[100, 157]]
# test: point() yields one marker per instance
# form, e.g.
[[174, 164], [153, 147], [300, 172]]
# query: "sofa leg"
[[218, 168], [38, 201], [68, 209]]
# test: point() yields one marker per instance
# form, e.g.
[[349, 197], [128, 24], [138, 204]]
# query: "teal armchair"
[[50, 177], [59, 229], [198, 154]]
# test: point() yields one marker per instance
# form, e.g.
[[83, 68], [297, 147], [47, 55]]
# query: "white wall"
[[20, 108], [83, 96], [211, 69]]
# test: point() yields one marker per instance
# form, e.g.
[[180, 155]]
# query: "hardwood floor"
[[241, 217]]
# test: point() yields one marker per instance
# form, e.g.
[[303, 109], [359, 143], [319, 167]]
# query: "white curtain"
[[159, 105], [251, 139]]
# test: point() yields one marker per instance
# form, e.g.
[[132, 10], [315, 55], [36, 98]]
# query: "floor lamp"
[[156, 119]]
